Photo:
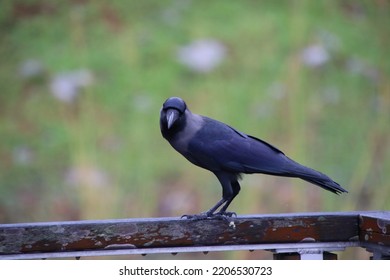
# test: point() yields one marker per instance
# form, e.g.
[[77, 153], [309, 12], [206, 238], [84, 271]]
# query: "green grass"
[[103, 156]]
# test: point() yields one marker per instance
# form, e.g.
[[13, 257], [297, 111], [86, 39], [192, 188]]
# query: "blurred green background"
[[82, 83]]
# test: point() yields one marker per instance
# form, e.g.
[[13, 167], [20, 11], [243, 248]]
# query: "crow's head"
[[172, 115]]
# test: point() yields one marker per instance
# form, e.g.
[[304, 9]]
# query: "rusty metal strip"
[[278, 248]]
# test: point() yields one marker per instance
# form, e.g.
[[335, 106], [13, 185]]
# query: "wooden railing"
[[288, 236]]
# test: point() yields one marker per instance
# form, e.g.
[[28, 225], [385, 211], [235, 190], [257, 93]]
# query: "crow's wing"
[[218, 146]]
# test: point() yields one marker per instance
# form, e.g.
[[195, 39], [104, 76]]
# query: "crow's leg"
[[236, 189], [230, 189], [212, 210]]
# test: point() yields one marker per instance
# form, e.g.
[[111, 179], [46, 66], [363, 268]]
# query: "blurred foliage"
[[83, 81]]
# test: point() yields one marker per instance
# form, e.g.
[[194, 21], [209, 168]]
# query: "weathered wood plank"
[[175, 232], [374, 228]]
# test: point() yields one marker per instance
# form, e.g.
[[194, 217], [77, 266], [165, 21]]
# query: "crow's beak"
[[172, 116]]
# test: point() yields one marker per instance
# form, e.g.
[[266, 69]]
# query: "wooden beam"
[[175, 232], [374, 233], [302, 233], [374, 228]]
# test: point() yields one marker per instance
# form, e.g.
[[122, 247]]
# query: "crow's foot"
[[210, 216], [198, 217]]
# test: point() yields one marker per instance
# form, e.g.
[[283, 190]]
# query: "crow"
[[228, 153]]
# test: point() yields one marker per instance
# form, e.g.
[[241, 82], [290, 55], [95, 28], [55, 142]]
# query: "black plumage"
[[227, 152]]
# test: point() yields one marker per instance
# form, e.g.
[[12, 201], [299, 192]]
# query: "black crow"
[[228, 153]]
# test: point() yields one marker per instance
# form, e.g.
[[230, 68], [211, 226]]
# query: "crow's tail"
[[315, 177], [326, 183]]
